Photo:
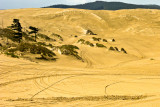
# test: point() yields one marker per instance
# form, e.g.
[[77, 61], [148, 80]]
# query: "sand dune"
[[103, 72]]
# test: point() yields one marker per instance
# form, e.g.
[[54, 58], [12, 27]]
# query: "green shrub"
[[75, 36], [96, 39], [100, 45], [45, 37], [11, 54], [58, 36], [104, 40], [123, 50], [35, 49], [81, 40], [41, 43], [89, 43], [111, 48], [70, 50], [89, 32], [113, 40], [116, 48], [8, 33], [27, 37]]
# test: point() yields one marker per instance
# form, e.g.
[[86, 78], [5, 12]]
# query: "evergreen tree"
[[34, 30], [16, 26]]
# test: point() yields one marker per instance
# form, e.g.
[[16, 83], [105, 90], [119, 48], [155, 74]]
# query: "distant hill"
[[101, 5]]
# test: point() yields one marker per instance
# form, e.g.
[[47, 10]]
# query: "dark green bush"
[[41, 43], [100, 45], [111, 48], [70, 50], [116, 48], [58, 36], [35, 49], [81, 40], [8, 33], [89, 32], [113, 40], [11, 54], [45, 37], [27, 37], [96, 39], [104, 40], [123, 50], [89, 43]]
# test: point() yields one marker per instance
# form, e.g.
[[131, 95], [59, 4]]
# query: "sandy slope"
[[135, 73]]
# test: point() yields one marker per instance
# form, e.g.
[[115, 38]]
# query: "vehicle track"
[[53, 85], [86, 59], [32, 78]]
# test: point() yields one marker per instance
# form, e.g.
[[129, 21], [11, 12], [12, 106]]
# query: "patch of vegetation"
[[113, 40], [70, 50], [105, 40], [35, 49], [100, 45], [9, 34], [111, 48], [34, 30], [17, 28], [96, 39], [27, 37], [87, 98], [116, 48], [89, 32], [11, 54], [89, 43], [43, 36], [123, 50], [75, 36], [58, 36], [0, 45], [81, 41]]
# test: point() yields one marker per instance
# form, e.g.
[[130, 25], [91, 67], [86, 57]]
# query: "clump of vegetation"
[[0, 45], [9, 34], [45, 37], [58, 36], [16, 26], [123, 50], [34, 30], [81, 41], [75, 36], [113, 40], [27, 37], [104, 40], [35, 49], [11, 54], [96, 39], [89, 32], [100, 45], [70, 50], [89, 43], [111, 48], [116, 48]]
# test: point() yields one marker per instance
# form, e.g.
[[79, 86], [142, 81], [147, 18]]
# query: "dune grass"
[[86, 98]]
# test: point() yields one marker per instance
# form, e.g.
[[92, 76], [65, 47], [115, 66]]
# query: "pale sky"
[[15, 4]]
